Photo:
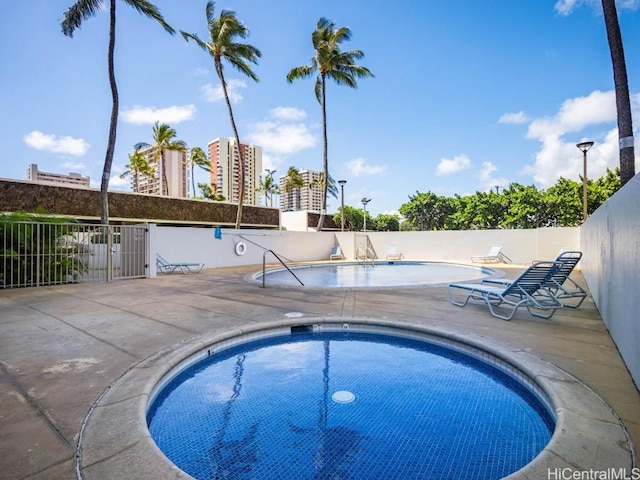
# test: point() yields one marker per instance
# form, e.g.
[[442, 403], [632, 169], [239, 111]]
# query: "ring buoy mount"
[[240, 248]]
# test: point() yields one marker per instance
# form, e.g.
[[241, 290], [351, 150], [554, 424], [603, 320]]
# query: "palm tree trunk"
[[193, 182], [113, 123], [164, 190], [623, 104], [325, 160], [240, 158]]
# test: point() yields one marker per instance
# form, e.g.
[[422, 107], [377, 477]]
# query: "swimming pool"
[[347, 404], [378, 274]]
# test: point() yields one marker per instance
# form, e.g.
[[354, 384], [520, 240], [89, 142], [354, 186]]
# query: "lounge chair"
[[556, 284], [393, 253], [164, 266], [495, 255], [336, 253], [526, 291]]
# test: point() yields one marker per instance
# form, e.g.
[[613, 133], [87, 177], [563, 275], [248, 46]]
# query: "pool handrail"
[[264, 266]]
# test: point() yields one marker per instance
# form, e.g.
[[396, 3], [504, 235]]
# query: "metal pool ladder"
[[264, 266]]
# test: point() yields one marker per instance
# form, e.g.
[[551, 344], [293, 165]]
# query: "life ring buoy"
[[240, 248]]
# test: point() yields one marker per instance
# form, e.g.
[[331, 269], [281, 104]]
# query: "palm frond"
[[77, 13], [149, 10]]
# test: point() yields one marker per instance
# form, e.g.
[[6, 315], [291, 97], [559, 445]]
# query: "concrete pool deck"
[[62, 347]]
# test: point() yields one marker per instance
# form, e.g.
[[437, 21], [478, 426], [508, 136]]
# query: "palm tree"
[[73, 18], [223, 31], [267, 188], [207, 192], [332, 189], [163, 138], [623, 104], [198, 159], [330, 62], [293, 181], [273, 189], [138, 165]]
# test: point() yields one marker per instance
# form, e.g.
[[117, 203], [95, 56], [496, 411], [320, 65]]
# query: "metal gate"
[[52, 253]]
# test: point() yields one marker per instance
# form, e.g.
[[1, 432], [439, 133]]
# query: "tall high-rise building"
[[170, 181], [70, 180], [224, 170], [308, 197]]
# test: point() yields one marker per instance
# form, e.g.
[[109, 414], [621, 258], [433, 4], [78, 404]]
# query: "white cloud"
[[74, 166], [288, 113], [449, 166], [281, 138], [514, 118], [575, 114], [488, 180], [566, 7], [116, 182], [584, 118], [76, 147], [149, 115], [216, 93], [359, 167]]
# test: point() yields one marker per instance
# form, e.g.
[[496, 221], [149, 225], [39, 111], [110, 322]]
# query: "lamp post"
[[584, 147], [342, 182], [270, 172], [364, 205]]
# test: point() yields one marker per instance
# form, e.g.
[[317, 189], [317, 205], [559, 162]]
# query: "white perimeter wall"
[[186, 244], [610, 240]]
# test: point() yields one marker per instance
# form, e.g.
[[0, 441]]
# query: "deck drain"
[[293, 315], [343, 396]]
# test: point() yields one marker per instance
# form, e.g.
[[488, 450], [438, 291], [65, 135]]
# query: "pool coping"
[[496, 273], [114, 440]]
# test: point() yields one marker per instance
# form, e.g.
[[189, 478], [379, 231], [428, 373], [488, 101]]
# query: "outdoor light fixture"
[[342, 182], [584, 147], [364, 205]]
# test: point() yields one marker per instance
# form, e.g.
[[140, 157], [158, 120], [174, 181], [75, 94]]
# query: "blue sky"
[[467, 95]]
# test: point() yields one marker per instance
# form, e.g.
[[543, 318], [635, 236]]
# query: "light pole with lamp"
[[364, 205], [270, 172], [584, 147], [342, 182]]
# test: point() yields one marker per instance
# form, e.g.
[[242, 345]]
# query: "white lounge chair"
[[556, 284], [163, 266], [526, 291], [393, 253], [336, 253], [495, 255]]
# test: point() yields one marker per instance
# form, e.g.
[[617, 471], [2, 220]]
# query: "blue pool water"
[[383, 274], [347, 406]]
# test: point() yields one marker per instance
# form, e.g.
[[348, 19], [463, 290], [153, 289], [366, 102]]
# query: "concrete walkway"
[[61, 347]]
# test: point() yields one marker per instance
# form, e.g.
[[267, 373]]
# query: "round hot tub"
[[313, 403]]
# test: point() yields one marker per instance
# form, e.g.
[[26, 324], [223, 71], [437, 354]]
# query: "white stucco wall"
[[521, 246], [186, 244], [190, 244], [610, 240]]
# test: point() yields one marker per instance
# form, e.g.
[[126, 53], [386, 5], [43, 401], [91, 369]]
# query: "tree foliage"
[[517, 206], [223, 47], [32, 253], [329, 61], [73, 18]]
